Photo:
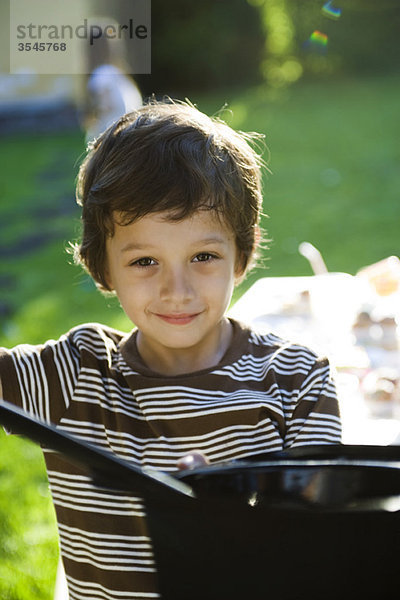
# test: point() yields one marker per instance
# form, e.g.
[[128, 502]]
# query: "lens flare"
[[318, 38], [330, 11], [317, 41]]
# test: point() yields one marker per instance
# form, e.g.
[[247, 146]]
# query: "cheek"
[[133, 292], [134, 302], [222, 287]]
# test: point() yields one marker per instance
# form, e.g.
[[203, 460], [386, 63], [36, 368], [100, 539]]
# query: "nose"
[[176, 285]]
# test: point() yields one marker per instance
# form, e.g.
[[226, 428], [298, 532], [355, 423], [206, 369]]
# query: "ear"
[[107, 276], [240, 271]]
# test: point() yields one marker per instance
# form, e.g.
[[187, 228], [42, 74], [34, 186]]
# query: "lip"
[[178, 319]]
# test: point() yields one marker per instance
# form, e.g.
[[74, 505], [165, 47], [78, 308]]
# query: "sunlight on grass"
[[29, 541], [334, 158]]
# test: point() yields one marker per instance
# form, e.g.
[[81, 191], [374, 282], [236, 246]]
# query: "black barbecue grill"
[[310, 523]]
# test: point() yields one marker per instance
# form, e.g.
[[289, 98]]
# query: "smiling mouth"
[[181, 319]]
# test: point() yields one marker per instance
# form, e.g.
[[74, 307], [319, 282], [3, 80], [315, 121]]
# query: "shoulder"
[[277, 348], [265, 356], [94, 337], [293, 364], [91, 337]]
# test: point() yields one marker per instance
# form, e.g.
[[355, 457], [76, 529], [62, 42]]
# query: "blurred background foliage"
[[218, 43], [328, 106]]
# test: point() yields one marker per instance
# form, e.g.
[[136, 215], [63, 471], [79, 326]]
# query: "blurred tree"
[[363, 37], [351, 36], [226, 43], [205, 45], [280, 65]]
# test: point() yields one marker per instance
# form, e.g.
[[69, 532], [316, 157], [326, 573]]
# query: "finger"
[[192, 461]]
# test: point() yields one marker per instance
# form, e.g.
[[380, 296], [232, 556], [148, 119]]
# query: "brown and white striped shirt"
[[264, 395]]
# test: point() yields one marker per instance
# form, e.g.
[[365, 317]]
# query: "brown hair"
[[168, 156]]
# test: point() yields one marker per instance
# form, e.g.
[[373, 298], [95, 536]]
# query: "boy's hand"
[[192, 461]]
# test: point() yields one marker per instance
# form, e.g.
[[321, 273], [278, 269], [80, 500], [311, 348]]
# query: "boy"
[[171, 202]]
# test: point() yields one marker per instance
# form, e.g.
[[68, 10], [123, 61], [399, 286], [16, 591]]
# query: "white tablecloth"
[[318, 311]]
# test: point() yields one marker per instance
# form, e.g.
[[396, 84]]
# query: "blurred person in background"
[[110, 90]]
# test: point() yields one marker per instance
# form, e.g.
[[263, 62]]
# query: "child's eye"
[[204, 257], [146, 261]]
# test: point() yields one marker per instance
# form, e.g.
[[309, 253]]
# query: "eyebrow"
[[203, 242], [133, 246]]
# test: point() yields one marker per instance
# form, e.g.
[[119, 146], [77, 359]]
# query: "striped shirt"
[[264, 395]]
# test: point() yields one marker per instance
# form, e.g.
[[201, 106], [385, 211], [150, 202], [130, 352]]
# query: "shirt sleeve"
[[40, 379], [315, 416]]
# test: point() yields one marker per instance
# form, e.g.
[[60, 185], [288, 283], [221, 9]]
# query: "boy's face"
[[174, 280]]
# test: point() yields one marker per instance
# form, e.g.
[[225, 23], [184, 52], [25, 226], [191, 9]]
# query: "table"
[[320, 312]]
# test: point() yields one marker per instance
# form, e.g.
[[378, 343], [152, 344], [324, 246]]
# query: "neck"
[[179, 361]]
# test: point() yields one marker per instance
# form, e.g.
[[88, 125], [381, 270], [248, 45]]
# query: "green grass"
[[28, 541], [334, 156], [335, 161]]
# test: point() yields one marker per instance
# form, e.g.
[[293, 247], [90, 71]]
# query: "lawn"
[[28, 541], [334, 156], [335, 162]]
